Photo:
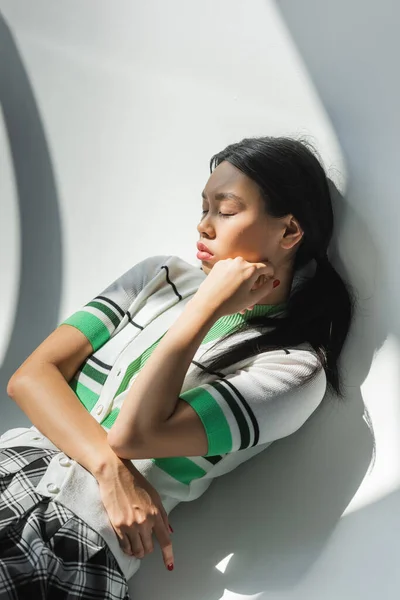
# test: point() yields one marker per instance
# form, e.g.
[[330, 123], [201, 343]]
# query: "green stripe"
[[107, 311], [94, 374], [225, 324], [180, 468], [215, 424], [110, 419], [136, 366], [86, 396], [266, 309], [221, 327], [91, 326]]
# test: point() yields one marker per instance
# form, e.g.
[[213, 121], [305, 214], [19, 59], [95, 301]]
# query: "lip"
[[202, 248]]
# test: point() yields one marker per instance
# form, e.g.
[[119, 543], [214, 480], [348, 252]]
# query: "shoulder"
[[173, 262], [155, 273], [178, 272], [291, 370]]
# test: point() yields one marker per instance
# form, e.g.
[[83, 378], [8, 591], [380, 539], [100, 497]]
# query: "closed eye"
[[220, 213]]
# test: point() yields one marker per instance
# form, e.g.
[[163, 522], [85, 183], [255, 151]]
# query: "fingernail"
[[172, 531], [170, 567], [276, 283]]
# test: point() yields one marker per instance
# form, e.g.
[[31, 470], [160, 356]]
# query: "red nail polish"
[[171, 530], [170, 567], [276, 283]]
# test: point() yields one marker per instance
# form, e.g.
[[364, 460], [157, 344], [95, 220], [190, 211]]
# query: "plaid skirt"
[[46, 551]]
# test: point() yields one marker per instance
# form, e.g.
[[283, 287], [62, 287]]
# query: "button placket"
[[109, 389], [60, 469], [53, 488], [64, 461]]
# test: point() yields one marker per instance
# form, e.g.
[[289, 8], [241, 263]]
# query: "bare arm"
[[40, 388], [45, 397]]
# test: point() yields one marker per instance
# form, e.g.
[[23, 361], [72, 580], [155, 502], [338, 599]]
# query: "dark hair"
[[320, 308]]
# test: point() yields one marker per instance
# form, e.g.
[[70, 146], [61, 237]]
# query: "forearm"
[[46, 398], [154, 394]]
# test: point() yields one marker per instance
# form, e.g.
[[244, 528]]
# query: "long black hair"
[[319, 310]]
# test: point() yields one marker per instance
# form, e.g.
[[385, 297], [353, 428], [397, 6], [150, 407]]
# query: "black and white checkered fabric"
[[45, 550]]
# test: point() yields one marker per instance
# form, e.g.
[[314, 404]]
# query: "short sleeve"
[[259, 403], [100, 317]]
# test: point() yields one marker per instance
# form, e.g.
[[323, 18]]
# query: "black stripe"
[[171, 283], [250, 413], [237, 412], [287, 351], [200, 366], [100, 363], [117, 308], [213, 459], [132, 321]]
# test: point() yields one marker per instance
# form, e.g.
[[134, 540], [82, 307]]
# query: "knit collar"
[[225, 324]]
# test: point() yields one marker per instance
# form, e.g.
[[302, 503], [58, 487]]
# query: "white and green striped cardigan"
[[243, 408]]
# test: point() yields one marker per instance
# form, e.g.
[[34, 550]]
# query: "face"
[[232, 227]]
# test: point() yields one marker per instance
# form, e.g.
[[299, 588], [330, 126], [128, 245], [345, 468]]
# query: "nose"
[[204, 226]]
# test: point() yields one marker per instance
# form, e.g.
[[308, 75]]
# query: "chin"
[[205, 268]]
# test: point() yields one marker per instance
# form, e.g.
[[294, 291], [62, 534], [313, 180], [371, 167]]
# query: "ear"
[[292, 233]]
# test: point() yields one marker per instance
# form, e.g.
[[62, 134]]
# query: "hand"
[[135, 509], [233, 284]]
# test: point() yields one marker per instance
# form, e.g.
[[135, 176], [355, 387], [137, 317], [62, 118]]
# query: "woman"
[[84, 489]]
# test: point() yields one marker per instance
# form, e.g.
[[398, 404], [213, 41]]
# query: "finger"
[[263, 269], [165, 519], [125, 543], [257, 294], [136, 543], [264, 278], [147, 540], [265, 264], [164, 540]]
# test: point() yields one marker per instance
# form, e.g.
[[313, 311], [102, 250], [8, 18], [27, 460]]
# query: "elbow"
[[19, 378], [12, 385], [120, 446], [10, 388]]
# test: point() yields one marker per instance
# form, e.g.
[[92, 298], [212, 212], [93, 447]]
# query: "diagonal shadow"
[[39, 290]]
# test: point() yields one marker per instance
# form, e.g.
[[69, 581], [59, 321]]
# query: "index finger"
[[164, 540], [262, 272], [266, 265]]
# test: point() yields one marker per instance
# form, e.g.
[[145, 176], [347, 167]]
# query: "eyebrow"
[[224, 195]]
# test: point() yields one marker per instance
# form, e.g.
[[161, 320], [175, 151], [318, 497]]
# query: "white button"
[[38, 437], [99, 409], [64, 461], [53, 488]]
